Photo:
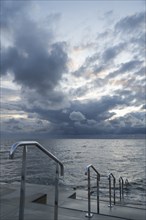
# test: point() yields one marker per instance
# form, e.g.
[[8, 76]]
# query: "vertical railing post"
[[110, 202], [121, 184], [98, 179], [122, 188], [89, 214], [114, 184], [110, 189], [56, 193], [22, 189], [126, 182], [24, 144]]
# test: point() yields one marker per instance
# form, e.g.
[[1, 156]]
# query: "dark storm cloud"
[[92, 109], [37, 63], [31, 63], [78, 114], [132, 123], [14, 124], [34, 59], [98, 110], [35, 102], [38, 70], [22, 125]]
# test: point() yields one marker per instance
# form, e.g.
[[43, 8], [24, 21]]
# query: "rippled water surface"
[[122, 157]]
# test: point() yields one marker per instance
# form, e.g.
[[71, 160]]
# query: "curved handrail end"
[[27, 143]]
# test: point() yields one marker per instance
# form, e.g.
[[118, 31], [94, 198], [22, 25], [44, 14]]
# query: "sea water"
[[124, 158]]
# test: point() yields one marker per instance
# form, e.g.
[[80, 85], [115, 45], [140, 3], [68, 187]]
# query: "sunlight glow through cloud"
[[124, 111]]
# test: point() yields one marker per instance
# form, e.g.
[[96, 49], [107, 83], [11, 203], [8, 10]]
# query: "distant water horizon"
[[24, 136], [122, 157]]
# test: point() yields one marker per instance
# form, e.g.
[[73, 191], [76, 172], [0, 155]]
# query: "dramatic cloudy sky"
[[73, 67]]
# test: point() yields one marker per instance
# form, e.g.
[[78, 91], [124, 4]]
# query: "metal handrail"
[[126, 182], [114, 182], [121, 187], [89, 214], [24, 144]]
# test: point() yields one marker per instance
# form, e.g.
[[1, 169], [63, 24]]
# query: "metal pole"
[[110, 202], [121, 183], [56, 193], [97, 195], [24, 144], [89, 214], [22, 189], [122, 188], [89, 195], [114, 191]]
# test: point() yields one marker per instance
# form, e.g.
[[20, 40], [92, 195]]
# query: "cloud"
[[12, 9], [97, 110], [8, 93], [124, 68], [53, 99], [131, 23], [144, 106], [23, 125], [80, 72], [111, 52], [76, 116], [131, 65], [132, 123], [79, 92], [35, 59], [90, 117], [31, 63]]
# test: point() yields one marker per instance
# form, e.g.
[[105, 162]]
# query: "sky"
[[73, 68]]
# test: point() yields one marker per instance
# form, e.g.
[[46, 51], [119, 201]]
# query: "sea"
[[124, 158]]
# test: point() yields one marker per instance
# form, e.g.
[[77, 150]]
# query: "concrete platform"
[[39, 205]]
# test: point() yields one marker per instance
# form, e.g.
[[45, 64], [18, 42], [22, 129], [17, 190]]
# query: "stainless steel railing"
[[89, 214], [121, 188], [25, 144], [110, 189], [126, 182]]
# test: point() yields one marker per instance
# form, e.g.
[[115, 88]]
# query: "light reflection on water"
[[122, 157]]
